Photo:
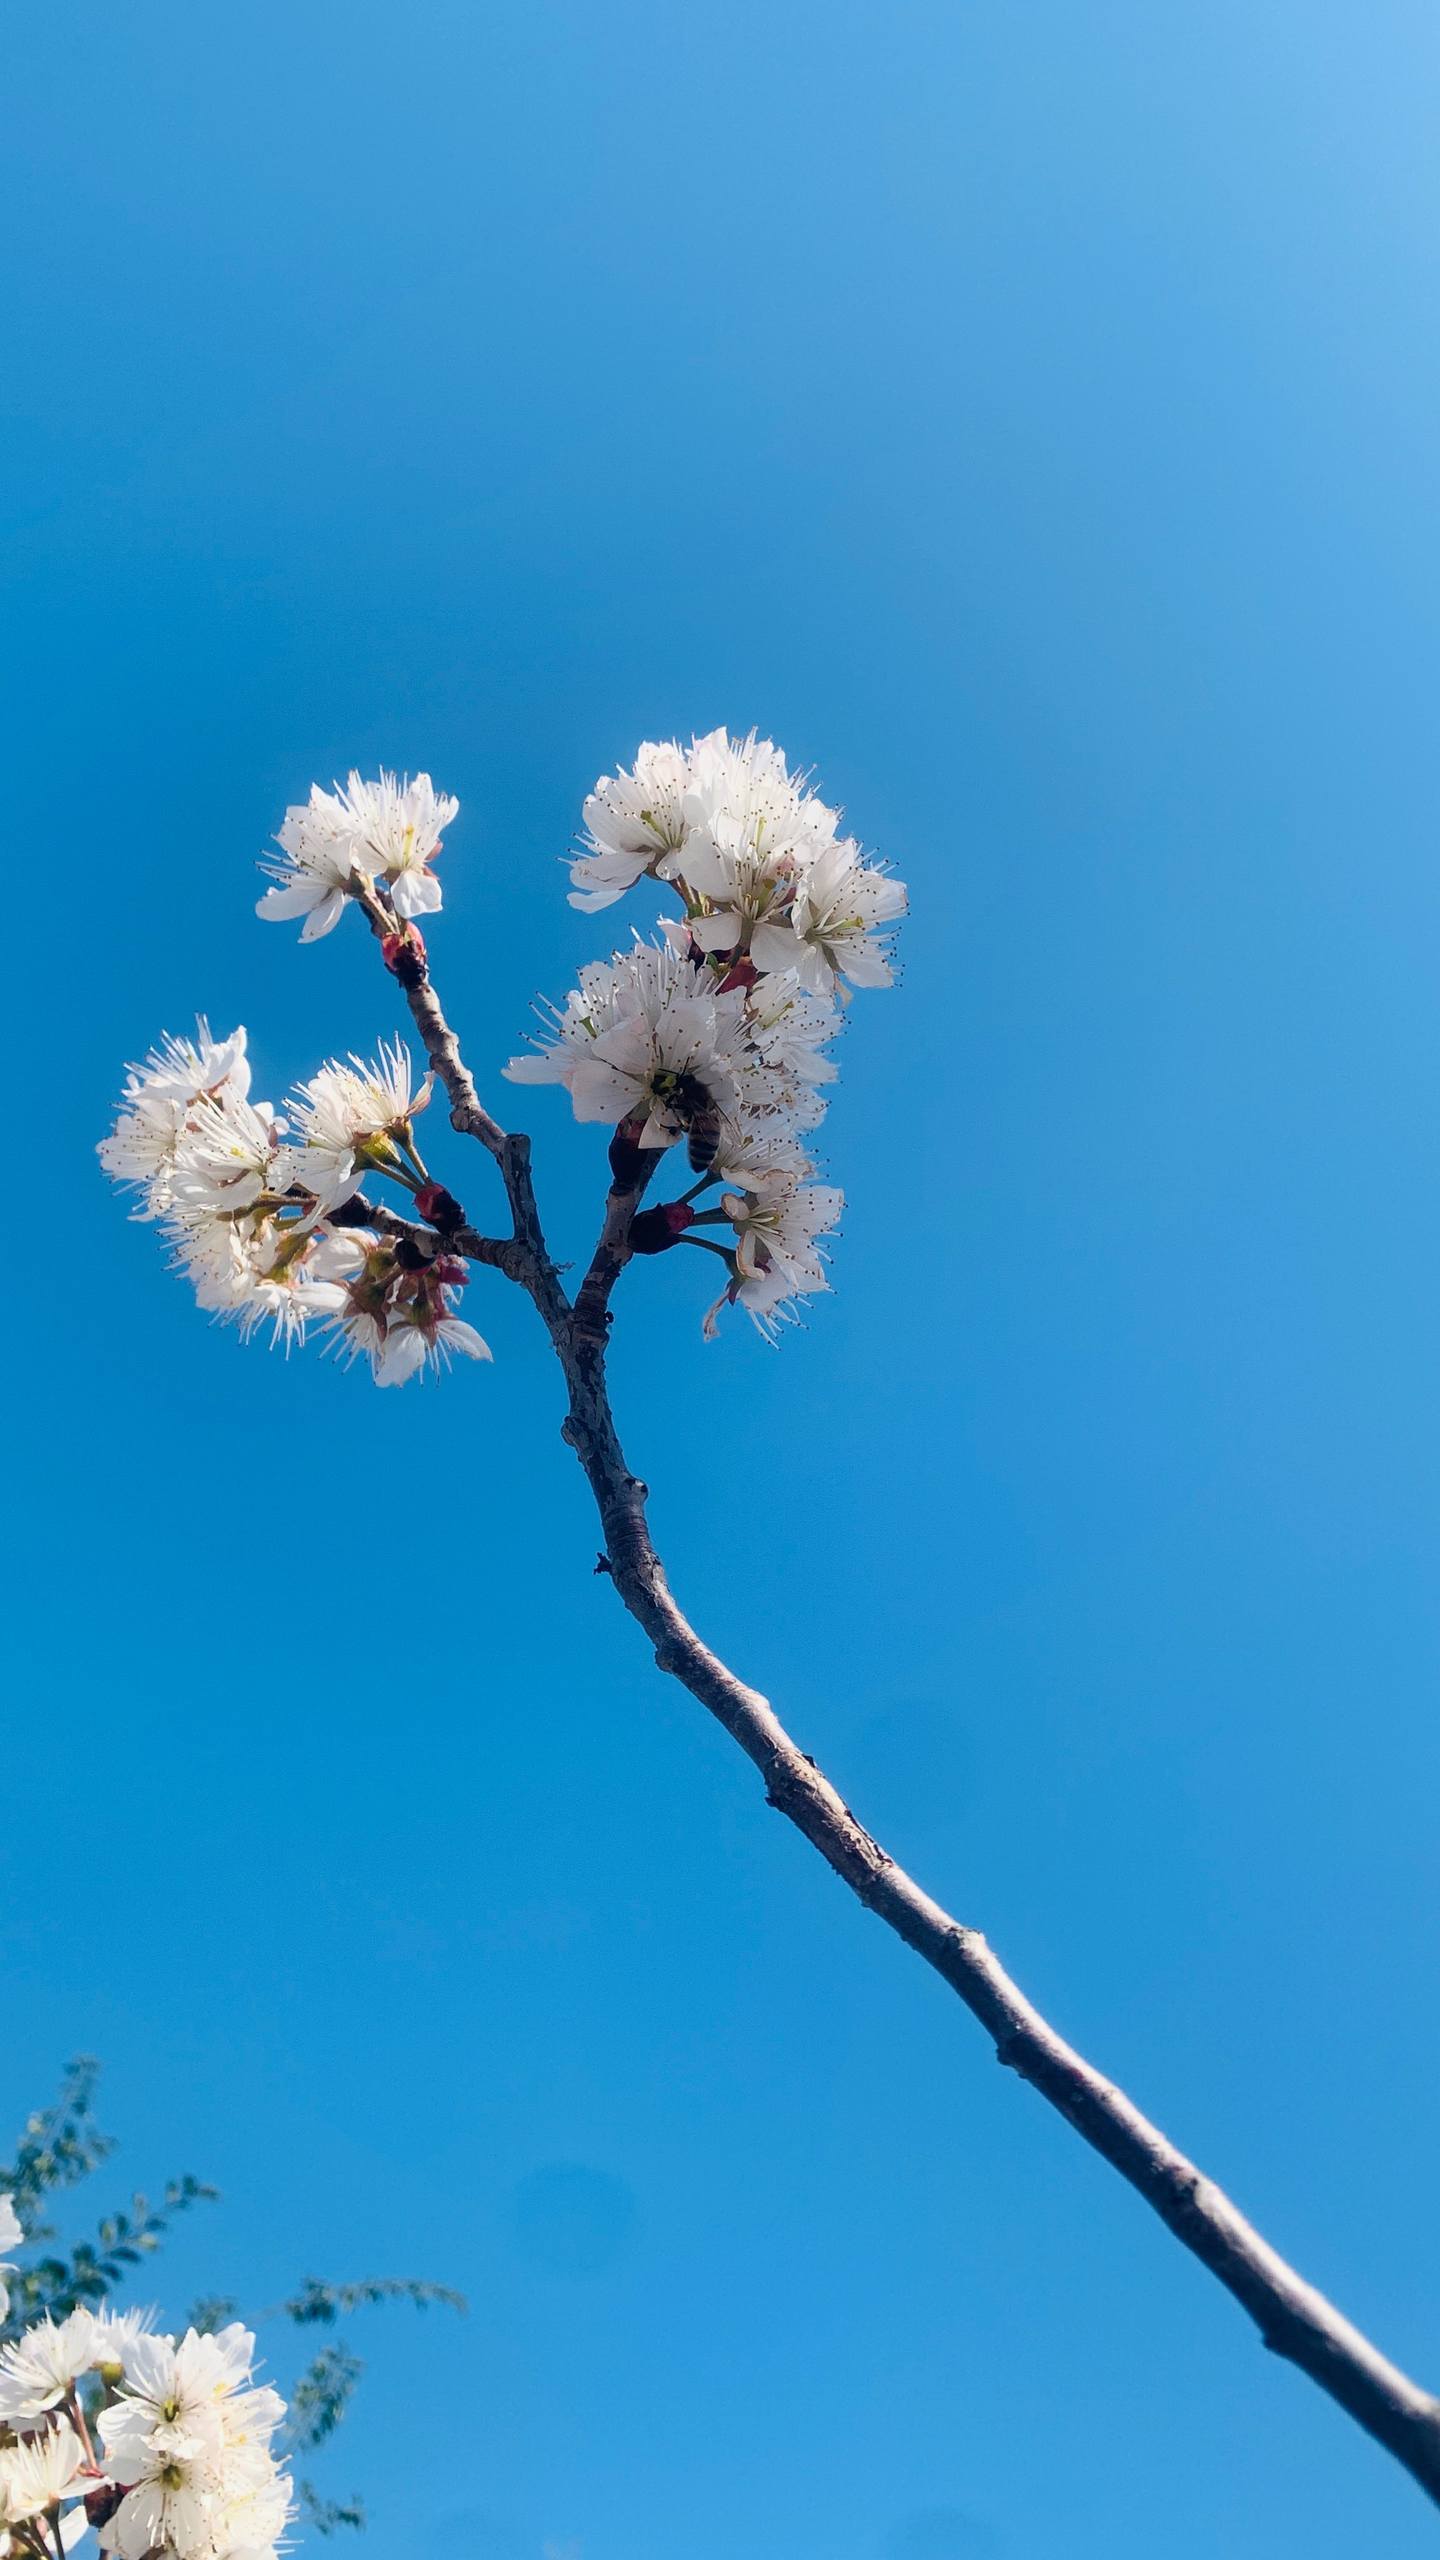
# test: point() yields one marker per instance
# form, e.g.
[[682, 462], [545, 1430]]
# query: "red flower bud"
[[403, 953], [655, 1230], [449, 1268], [741, 973], [440, 1207]]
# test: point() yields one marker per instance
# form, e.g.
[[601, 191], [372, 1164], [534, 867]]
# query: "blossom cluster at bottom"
[[162, 2446]]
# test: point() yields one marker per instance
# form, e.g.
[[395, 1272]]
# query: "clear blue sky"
[[1029, 417]]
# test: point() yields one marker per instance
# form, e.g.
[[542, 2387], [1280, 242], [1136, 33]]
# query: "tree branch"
[[1295, 2321], [467, 1112], [530, 1261], [591, 1324], [500, 1252]]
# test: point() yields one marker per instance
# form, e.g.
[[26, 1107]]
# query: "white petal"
[[463, 1337], [774, 947], [415, 893], [718, 932], [326, 916], [544, 1068], [600, 1092], [402, 1354], [296, 898]]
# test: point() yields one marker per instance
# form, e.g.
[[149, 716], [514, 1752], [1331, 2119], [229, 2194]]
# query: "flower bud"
[[655, 1230], [742, 972], [627, 1156], [404, 955], [440, 1207], [449, 1268]]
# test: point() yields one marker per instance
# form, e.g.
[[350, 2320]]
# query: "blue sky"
[[1029, 418]]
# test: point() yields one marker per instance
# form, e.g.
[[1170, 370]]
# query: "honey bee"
[[697, 1108]]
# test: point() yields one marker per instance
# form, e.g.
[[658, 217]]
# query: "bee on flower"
[[648, 1039]]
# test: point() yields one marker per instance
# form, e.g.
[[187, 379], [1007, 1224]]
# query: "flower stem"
[[707, 1244]]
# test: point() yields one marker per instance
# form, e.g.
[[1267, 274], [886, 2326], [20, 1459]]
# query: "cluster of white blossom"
[[257, 1206], [387, 830], [720, 1033], [162, 2446]]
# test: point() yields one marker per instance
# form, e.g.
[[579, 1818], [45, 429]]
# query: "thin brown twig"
[[499, 1253], [1295, 2320], [467, 1112], [591, 1323]]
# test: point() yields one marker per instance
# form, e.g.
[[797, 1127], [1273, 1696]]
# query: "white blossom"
[[408, 1340], [634, 823], [348, 1116], [38, 2472], [777, 1230], [388, 829], [754, 853], [398, 826], [720, 1034], [179, 1071], [39, 2368], [115, 2331], [741, 884], [173, 2505], [188, 2398], [648, 1037], [754, 830], [246, 1201], [762, 1158], [188, 2441], [747, 779], [791, 1028], [256, 2508], [403, 1321], [228, 1155], [317, 839], [159, 1097], [837, 927], [256, 1270], [777, 1251]]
